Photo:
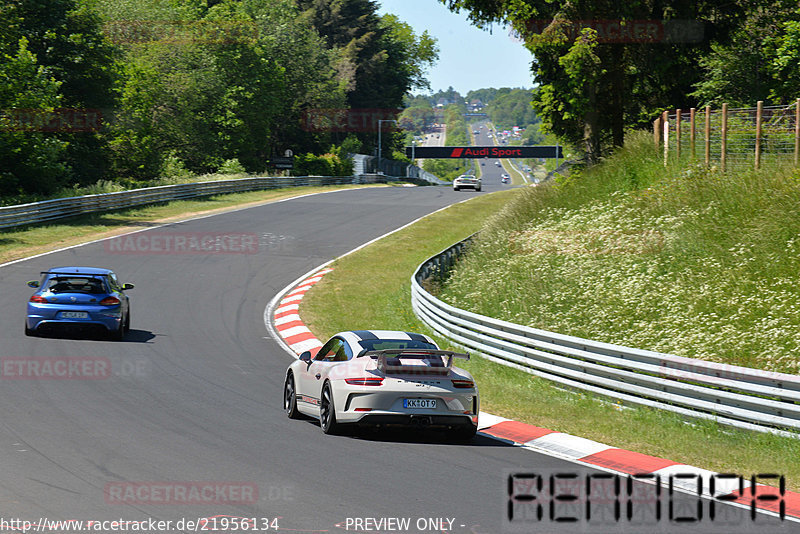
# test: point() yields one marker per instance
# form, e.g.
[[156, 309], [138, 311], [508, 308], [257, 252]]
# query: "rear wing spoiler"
[[388, 360], [75, 275]]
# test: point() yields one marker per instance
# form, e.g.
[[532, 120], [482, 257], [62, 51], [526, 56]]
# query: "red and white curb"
[[298, 338], [287, 319]]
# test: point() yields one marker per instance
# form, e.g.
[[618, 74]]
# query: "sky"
[[469, 58]]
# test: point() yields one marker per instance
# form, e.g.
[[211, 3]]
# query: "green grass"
[[16, 243], [342, 301], [682, 261]]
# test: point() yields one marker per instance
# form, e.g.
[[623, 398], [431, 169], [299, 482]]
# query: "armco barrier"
[[36, 212], [738, 396]]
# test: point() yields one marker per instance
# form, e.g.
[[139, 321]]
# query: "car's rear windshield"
[[76, 284]]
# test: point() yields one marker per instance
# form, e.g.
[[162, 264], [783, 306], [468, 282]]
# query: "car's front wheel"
[[290, 398], [327, 412]]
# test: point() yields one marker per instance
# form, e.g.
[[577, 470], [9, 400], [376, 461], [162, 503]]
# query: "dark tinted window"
[[76, 284], [335, 350]]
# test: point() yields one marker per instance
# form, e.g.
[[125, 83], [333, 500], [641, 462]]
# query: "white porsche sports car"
[[383, 378], [467, 180]]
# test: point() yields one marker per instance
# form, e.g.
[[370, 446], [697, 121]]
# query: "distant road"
[[490, 167], [436, 137]]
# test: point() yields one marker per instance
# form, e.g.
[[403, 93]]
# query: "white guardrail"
[[739, 396], [60, 208]]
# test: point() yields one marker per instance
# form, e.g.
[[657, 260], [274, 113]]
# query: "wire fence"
[[732, 138]]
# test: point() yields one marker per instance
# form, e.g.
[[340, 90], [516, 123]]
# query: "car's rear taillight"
[[109, 301], [38, 298], [463, 384], [365, 381]]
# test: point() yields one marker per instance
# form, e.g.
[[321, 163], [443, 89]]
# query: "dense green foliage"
[[440, 98], [511, 107], [485, 95], [187, 86], [594, 83], [331, 164], [53, 55], [456, 125], [760, 62]]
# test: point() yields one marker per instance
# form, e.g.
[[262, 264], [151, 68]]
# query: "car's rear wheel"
[[29, 332], [128, 322], [290, 398], [327, 412], [119, 333]]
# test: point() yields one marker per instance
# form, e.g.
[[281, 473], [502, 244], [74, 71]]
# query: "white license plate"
[[419, 403], [74, 315]]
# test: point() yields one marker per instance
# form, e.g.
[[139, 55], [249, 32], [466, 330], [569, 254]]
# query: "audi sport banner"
[[542, 151]]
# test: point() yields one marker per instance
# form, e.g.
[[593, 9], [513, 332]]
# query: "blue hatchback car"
[[79, 297]]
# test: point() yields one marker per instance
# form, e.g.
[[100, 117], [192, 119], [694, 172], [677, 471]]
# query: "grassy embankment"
[[680, 260]]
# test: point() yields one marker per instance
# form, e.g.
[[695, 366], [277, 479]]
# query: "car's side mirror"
[[33, 283], [127, 286], [306, 356]]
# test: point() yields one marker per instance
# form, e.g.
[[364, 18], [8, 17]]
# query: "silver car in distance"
[[467, 180]]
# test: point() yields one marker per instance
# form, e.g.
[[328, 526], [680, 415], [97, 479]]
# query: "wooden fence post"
[[724, 148], [759, 109], [692, 130], [665, 122], [678, 134], [708, 135], [797, 133], [657, 132]]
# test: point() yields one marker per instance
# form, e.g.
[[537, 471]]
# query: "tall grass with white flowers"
[[684, 260]]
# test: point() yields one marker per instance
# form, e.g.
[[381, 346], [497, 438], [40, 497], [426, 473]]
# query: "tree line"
[[601, 67], [130, 89]]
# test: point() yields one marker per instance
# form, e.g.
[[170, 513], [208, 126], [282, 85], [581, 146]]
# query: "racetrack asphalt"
[[189, 424]]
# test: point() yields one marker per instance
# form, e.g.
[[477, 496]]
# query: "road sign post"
[[282, 163], [379, 140]]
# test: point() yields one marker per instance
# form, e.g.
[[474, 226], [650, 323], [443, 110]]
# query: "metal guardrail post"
[[23, 214]]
